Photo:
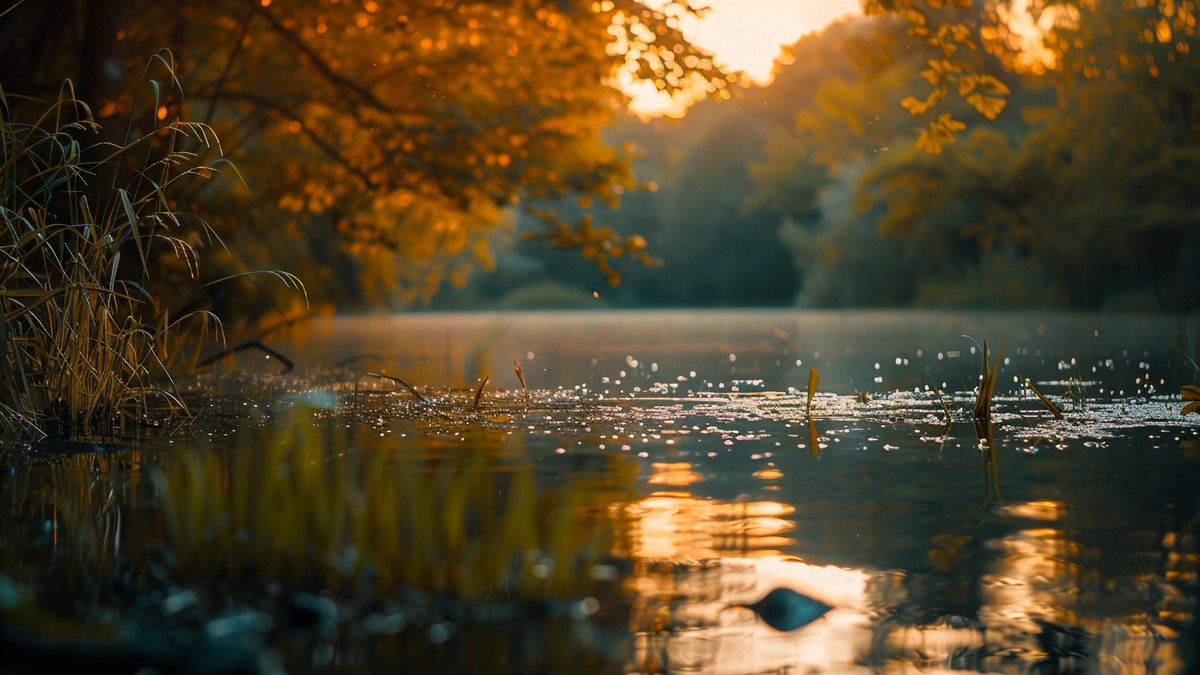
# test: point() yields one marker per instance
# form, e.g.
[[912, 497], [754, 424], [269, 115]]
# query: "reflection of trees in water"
[[1027, 587], [1044, 597], [678, 526], [693, 558], [1044, 604]]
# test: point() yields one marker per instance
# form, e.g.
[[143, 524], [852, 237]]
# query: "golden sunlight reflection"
[[676, 474], [697, 561], [1035, 510], [689, 618], [1030, 581], [678, 527], [768, 474], [1040, 602]]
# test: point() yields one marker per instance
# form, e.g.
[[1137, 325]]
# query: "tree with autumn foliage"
[[1076, 188], [1057, 165], [1100, 198], [381, 141], [1088, 39]]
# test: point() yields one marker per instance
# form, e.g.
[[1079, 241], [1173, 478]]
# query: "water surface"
[[664, 469]]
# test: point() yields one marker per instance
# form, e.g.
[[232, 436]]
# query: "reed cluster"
[[84, 223]]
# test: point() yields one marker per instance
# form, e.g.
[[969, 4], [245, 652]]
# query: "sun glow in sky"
[[746, 35]]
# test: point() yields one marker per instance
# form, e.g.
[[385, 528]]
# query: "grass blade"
[[520, 373], [813, 378], [1050, 404], [938, 392], [11, 8], [402, 383], [1187, 356], [5, 367], [987, 384], [479, 392]]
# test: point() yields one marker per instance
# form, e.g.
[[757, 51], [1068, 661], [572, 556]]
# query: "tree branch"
[[341, 83], [237, 46], [323, 144]]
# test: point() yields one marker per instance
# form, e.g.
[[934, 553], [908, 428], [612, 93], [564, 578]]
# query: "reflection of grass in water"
[[297, 506], [310, 504], [68, 524], [981, 413], [300, 506]]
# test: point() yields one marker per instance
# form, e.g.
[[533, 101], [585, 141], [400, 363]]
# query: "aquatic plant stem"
[[951, 360]]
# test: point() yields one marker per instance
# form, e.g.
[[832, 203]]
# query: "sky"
[[746, 35]]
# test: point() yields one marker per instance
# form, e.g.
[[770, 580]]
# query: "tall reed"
[[83, 224], [981, 416]]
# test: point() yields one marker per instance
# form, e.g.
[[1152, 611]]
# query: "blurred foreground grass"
[[312, 501]]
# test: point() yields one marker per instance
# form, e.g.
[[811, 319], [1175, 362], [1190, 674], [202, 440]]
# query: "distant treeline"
[[1083, 193]]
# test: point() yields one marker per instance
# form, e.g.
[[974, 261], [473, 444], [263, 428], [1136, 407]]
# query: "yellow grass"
[[86, 343]]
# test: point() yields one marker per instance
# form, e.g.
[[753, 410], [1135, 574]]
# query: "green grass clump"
[[83, 224]]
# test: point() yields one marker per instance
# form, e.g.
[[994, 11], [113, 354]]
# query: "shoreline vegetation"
[[86, 228], [390, 151], [361, 181], [385, 144]]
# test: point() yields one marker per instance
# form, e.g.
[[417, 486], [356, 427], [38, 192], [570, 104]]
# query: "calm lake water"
[[663, 470]]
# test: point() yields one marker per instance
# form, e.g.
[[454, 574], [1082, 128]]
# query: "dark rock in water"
[[784, 609]]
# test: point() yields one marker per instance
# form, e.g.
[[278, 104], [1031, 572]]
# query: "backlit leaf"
[[988, 106], [993, 86]]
